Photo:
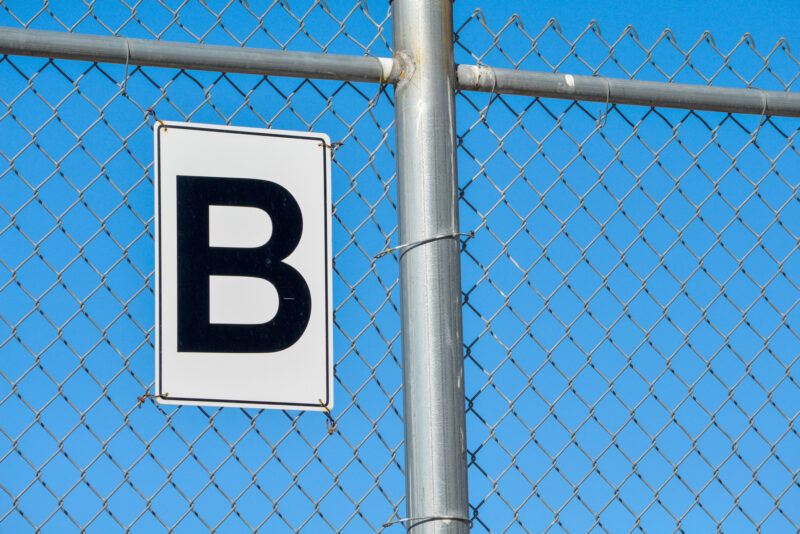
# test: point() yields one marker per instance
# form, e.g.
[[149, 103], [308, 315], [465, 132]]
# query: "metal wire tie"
[[490, 70], [763, 114], [426, 519], [602, 119], [330, 423], [124, 85], [406, 246]]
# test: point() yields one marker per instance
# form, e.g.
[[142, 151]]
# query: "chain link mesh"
[[630, 293], [82, 446]]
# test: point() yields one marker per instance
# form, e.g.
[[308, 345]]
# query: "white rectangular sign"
[[243, 267]]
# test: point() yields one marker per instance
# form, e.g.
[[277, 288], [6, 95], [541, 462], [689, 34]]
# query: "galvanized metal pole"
[[430, 272]]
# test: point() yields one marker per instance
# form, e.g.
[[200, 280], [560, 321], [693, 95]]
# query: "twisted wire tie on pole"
[[425, 519], [601, 120], [124, 85], [407, 246], [763, 113]]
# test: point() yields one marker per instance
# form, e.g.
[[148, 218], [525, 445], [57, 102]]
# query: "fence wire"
[[82, 446], [630, 294]]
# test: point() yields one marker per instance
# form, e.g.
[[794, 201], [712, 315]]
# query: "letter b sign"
[[243, 304]]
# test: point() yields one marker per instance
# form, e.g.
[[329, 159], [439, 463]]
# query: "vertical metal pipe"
[[430, 274]]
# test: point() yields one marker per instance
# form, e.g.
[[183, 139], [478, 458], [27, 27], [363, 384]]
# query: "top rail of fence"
[[146, 52]]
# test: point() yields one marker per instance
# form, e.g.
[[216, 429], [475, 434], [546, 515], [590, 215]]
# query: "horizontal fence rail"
[[144, 52], [633, 92], [150, 53]]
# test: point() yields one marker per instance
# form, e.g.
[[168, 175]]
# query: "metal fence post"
[[430, 274]]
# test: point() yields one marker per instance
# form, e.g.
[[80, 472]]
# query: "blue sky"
[[630, 293], [727, 20]]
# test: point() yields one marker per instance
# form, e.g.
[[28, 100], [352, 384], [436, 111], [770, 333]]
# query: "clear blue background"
[[728, 21]]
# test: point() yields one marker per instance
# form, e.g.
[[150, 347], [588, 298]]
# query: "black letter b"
[[197, 261]]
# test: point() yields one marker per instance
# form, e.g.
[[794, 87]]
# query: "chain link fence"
[[630, 293], [82, 445]]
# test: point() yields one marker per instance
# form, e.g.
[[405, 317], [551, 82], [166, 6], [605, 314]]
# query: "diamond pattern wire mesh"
[[631, 294], [81, 445]]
